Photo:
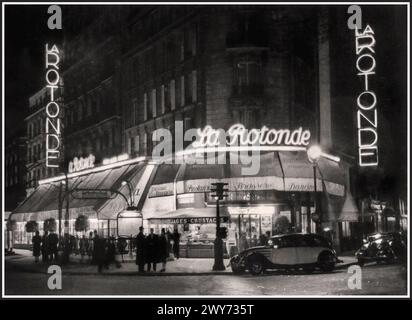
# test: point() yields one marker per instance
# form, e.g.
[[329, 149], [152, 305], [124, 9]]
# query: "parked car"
[[382, 247], [289, 251]]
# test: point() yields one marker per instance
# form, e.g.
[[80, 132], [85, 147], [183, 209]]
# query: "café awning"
[[43, 203]]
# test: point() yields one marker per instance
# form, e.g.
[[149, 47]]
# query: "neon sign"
[[53, 128], [366, 115], [79, 164], [239, 135]]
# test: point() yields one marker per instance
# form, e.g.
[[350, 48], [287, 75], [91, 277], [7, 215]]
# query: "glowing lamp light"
[[314, 153]]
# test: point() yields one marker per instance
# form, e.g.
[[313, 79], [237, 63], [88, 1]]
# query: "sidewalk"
[[24, 261]]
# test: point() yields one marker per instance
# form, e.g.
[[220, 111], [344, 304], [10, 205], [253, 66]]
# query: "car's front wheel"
[[326, 262], [255, 266]]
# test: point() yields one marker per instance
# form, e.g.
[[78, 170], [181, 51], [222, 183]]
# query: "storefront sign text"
[[239, 135], [53, 128], [367, 117], [79, 164]]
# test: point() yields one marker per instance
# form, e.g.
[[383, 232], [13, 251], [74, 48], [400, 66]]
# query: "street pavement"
[[194, 277], [24, 261]]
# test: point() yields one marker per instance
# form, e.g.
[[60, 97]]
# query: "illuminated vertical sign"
[[53, 122], [366, 114]]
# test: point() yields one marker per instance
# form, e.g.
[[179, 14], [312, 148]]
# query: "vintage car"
[[382, 247], [289, 251]]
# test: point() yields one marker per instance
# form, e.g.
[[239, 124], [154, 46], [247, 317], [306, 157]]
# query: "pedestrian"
[[76, 245], [67, 247], [152, 247], [99, 251], [263, 240], [36, 246], [254, 241], [131, 244], [176, 243], [121, 247], [169, 237], [140, 249], [111, 253], [243, 243], [90, 247], [44, 247], [163, 249], [83, 247], [52, 244]]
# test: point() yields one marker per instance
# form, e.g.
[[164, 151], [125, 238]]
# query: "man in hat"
[[141, 250]]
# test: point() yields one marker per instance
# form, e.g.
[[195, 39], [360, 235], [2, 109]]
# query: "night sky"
[[26, 33]]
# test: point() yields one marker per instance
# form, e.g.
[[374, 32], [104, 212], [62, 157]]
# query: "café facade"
[[123, 194]]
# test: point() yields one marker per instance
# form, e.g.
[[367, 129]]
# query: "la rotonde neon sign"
[[366, 115], [53, 122]]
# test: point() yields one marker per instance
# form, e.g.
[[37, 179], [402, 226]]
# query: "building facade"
[[15, 170], [128, 72]]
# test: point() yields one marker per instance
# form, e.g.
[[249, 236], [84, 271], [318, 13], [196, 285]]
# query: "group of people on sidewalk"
[[153, 248], [46, 246], [100, 251]]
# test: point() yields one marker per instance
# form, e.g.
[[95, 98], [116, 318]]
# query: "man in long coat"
[[152, 246], [141, 250]]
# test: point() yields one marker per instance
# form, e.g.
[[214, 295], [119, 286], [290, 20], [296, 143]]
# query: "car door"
[[307, 250], [284, 251]]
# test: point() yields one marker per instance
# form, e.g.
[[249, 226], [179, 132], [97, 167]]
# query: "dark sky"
[[26, 33]]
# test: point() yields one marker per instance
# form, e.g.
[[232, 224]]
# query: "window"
[[162, 99], [193, 40], [248, 77], [145, 106], [182, 91], [153, 102], [194, 86], [134, 111], [181, 46], [130, 145], [172, 95], [145, 143], [136, 144]]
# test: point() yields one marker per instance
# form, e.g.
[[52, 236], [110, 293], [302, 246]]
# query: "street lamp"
[[219, 191], [124, 183], [314, 153]]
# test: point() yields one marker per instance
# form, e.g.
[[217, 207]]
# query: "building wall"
[[92, 117], [36, 139], [15, 171]]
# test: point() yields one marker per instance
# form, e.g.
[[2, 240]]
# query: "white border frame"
[[209, 296]]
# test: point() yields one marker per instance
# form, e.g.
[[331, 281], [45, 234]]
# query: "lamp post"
[[129, 186], [219, 194], [314, 153]]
